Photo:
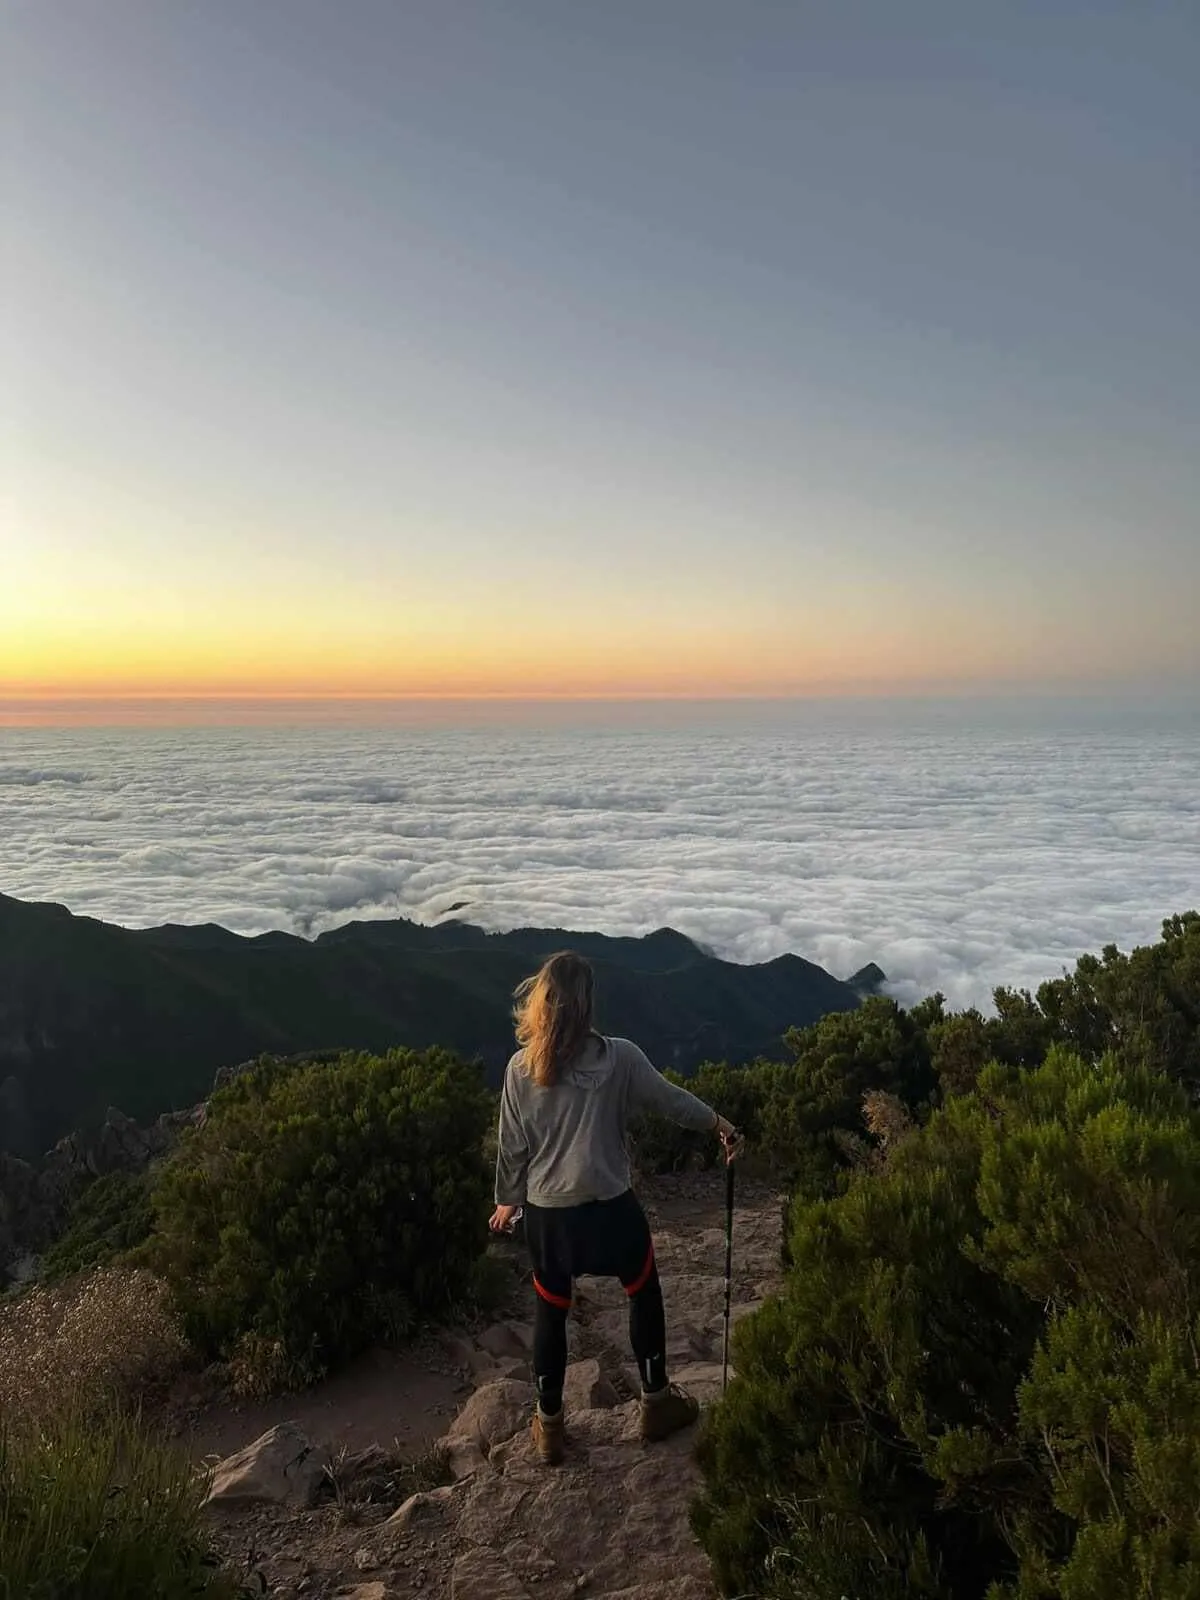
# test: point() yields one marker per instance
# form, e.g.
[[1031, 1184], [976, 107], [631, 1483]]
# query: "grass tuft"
[[375, 1478], [92, 1507]]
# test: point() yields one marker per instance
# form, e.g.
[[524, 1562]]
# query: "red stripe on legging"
[[563, 1302], [643, 1277]]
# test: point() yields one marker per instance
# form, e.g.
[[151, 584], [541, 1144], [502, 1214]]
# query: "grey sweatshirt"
[[564, 1144]]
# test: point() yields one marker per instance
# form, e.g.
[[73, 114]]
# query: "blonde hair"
[[553, 1014]]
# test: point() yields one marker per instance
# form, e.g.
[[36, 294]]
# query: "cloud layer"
[[954, 858]]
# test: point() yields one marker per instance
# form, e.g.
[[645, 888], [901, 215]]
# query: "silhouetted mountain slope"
[[93, 1015]]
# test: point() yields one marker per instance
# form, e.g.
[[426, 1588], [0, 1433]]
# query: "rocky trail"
[[611, 1523]]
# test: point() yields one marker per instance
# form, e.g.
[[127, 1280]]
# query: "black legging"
[[605, 1238]]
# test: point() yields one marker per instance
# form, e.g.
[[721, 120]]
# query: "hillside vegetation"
[[982, 1376], [93, 1016], [980, 1379]]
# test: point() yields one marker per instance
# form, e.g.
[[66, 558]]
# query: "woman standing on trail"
[[569, 1094]]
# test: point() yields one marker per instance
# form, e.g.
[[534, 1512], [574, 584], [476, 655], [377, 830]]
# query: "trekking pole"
[[728, 1269]]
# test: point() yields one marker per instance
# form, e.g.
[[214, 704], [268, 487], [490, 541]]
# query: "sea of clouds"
[[957, 853]]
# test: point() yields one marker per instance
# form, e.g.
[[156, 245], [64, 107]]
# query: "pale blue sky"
[[769, 347]]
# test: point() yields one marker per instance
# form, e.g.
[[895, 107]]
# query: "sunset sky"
[[637, 348]]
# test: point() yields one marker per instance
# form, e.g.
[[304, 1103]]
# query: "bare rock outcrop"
[[613, 1515], [612, 1521], [36, 1198]]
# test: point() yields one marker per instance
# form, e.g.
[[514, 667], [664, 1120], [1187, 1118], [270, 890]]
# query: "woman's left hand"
[[502, 1219], [731, 1140]]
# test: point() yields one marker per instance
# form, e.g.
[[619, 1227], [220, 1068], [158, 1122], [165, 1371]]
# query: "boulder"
[[494, 1413], [587, 1389], [503, 1342], [463, 1455], [281, 1467]]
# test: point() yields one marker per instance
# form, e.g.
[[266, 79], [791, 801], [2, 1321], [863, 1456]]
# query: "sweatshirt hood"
[[591, 1067]]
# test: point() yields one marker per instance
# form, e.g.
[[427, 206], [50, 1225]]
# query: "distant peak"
[[868, 980]]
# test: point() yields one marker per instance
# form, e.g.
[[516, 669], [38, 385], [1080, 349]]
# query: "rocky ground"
[[611, 1523]]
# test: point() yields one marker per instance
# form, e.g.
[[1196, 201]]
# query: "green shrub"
[[321, 1208], [803, 1118], [96, 1509], [111, 1217], [1143, 1007], [981, 1376]]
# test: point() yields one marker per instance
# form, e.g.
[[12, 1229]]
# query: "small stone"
[[364, 1560], [421, 1508]]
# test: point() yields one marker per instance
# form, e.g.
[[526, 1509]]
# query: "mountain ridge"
[[93, 1015]]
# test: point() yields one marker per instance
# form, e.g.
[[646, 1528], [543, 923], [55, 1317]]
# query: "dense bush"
[[95, 1509], [981, 1376], [803, 1117], [320, 1208]]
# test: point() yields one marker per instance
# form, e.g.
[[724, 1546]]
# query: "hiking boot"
[[666, 1411], [548, 1438]]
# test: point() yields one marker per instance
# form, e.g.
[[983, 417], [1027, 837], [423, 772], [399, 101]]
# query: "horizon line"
[[906, 691]]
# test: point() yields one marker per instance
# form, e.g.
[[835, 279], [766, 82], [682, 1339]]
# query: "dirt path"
[[611, 1522], [398, 1399]]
